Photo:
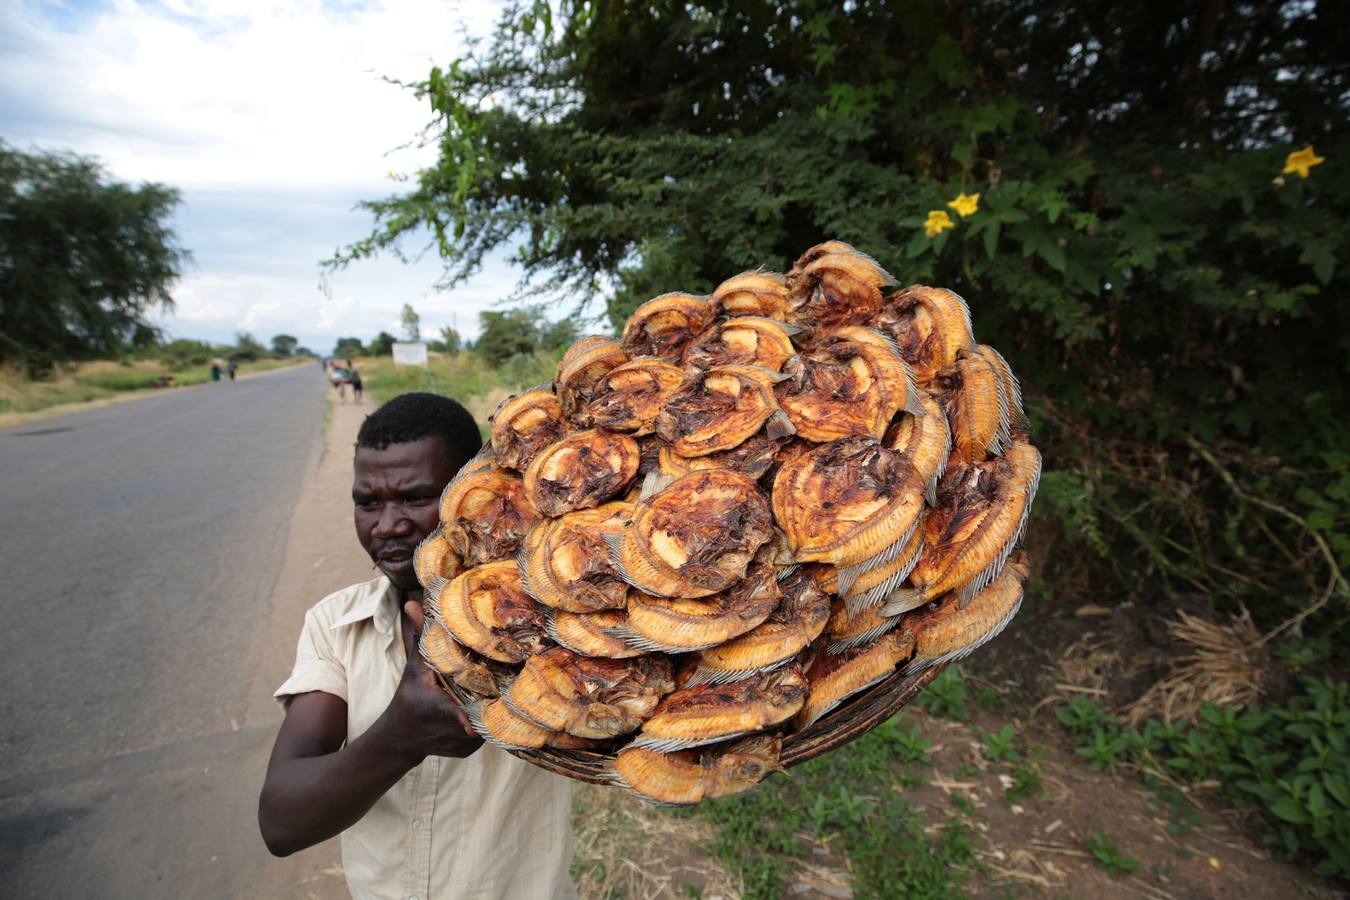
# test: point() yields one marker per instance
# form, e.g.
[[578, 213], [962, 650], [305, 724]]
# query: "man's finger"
[[412, 628], [458, 714]]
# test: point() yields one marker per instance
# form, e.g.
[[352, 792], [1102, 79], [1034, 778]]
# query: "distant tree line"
[[502, 335]]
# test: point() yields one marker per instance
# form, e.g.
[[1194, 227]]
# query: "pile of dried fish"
[[706, 536]]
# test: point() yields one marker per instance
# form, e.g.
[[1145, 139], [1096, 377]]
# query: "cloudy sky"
[[273, 119]]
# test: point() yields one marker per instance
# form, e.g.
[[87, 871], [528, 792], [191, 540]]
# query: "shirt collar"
[[378, 601]]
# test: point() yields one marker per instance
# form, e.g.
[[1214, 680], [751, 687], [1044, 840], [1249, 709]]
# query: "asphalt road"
[[139, 545]]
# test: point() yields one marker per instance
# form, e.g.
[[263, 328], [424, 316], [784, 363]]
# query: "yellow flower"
[[937, 222], [1301, 161], [966, 204]]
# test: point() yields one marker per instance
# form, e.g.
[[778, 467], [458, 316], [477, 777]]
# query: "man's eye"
[[368, 504], [421, 501]]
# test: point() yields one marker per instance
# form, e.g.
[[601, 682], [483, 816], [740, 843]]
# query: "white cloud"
[[208, 94], [273, 119]]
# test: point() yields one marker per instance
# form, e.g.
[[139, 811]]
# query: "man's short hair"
[[411, 417]]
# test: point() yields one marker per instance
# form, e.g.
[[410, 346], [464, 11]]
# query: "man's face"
[[395, 493]]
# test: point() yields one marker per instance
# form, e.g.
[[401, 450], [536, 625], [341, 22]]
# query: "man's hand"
[[426, 721], [318, 783]]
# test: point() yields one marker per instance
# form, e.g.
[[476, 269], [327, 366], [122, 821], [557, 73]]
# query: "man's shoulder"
[[353, 599]]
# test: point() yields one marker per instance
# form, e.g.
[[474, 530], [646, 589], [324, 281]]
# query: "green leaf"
[[1053, 253], [991, 232], [1289, 811], [1322, 260], [1052, 204]]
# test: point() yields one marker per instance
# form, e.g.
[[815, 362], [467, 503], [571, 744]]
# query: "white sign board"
[[410, 354]]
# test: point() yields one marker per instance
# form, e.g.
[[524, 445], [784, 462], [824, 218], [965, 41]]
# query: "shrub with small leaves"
[[1291, 761]]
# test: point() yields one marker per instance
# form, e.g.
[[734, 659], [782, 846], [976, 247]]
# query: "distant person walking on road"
[[231, 368], [337, 376], [354, 379], [215, 372]]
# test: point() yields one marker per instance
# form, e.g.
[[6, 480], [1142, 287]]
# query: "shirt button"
[[417, 826]]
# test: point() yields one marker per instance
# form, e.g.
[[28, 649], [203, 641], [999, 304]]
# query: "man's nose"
[[393, 522]]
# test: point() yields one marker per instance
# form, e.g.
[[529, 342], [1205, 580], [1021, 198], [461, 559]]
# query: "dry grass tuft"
[[1024, 866], [1226, 665], [1083, 668], [625, 848], [484, 405]]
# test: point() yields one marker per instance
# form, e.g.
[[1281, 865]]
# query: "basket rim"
[[850, 720]]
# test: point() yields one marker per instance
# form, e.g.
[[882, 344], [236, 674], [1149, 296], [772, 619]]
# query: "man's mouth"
[[394, 555]]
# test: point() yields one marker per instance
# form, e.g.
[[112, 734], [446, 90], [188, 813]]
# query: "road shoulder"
[[322, 555]]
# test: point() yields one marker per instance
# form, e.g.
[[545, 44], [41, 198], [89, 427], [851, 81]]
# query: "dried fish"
[[718, 409], [744, 340], [525, 424], [435, 560], [982, 513], [850, 384], [681, 624], [664, 325], [589, 634], [582, 367], [685, 778], [832, 285], [629, 397], [582, 470], [487, 610], [587, 697], [836, 677], [695, 537], [751, 294], [797, 621], [848, 503], [485, 513], [564, 562], [947, 632], [930, 325], [708, 713]]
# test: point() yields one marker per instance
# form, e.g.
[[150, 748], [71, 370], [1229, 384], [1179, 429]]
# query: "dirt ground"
[[1032, 847]]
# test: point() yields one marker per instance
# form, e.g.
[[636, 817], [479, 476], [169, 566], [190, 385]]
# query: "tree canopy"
[[83, 259], [412, 323], [1145, 205], [348, 347], [381, 345], [284, 344]]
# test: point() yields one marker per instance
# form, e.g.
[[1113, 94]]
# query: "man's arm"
[[316, 788]]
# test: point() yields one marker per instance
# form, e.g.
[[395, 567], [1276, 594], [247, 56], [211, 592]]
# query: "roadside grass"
[[849, 802], [83, 382], [464, 377]]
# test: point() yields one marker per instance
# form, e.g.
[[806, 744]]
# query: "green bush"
[[1291, 761], [120, 380], [184, 353]]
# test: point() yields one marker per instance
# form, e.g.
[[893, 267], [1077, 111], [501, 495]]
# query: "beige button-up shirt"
[[489, 826]]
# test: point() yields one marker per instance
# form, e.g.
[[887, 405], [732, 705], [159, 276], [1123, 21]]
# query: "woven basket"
[[852, 719]]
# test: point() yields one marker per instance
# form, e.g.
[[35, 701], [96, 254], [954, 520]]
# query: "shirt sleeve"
[[317, 667]]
